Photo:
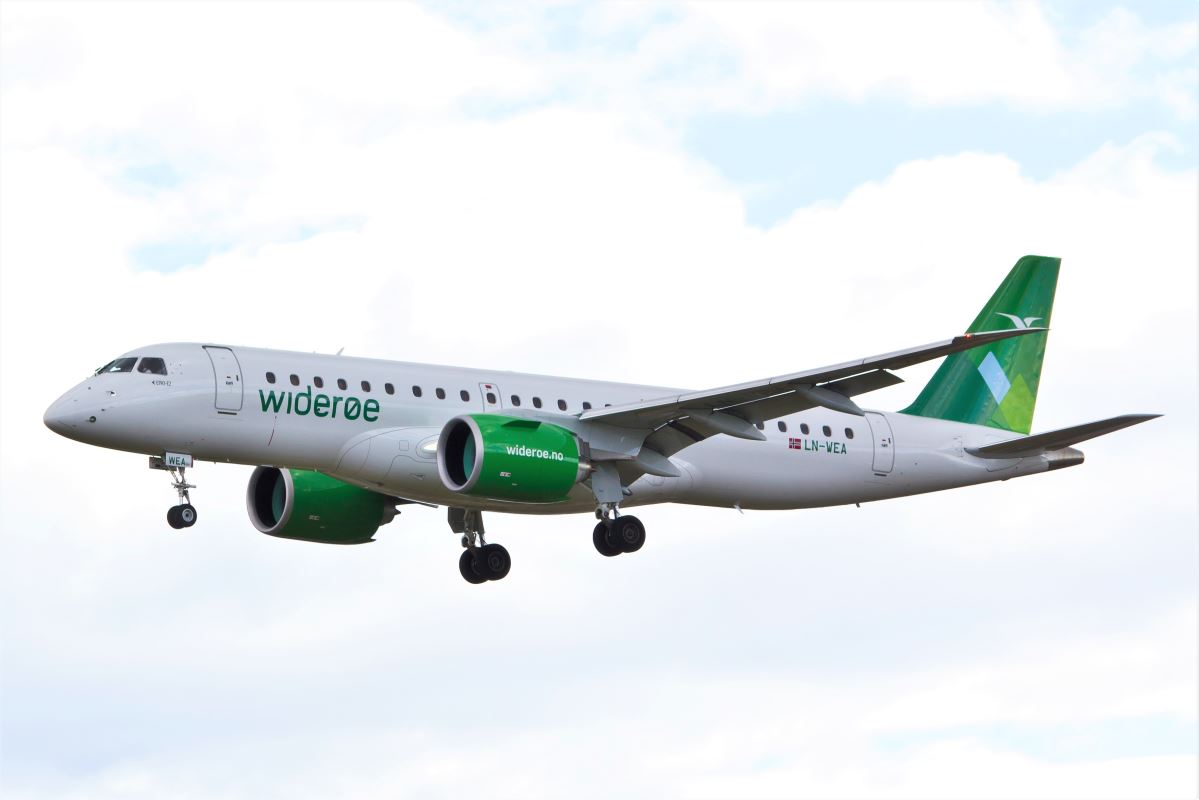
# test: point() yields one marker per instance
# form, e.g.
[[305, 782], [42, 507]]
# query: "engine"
[[311, 507], [509, 458]]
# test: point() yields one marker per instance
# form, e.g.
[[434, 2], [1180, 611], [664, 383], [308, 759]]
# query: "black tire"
[[187, 514], [173, 518], [494, 562], [599, 538], [627, 533], [466, 567]]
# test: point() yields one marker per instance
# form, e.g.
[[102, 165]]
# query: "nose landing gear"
[[184, 514]]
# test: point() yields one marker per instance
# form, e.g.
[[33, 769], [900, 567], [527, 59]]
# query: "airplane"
[[339, 443]]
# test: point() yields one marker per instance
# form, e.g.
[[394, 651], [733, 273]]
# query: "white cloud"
[[761, 57]]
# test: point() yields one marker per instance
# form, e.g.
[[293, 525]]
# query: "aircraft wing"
[[680, 420], [1056, 440]]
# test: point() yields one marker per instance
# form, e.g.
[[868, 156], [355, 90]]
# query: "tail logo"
[[995, 379], [1019, 322]]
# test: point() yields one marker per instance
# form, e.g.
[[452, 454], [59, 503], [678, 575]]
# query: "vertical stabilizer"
[[996, 385]]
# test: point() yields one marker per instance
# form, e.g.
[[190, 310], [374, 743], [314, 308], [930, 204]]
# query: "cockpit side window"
[[152, 366], [119, 365]]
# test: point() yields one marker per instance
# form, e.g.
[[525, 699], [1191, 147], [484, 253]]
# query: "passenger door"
[[227, 374], [884, 443]]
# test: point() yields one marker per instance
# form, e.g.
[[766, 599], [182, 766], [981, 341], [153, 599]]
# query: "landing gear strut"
[[615, 535], [184, 514], [480, 562]]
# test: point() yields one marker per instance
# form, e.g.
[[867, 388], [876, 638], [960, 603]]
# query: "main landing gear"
[[480, 562], [182, 515], [615, 535]]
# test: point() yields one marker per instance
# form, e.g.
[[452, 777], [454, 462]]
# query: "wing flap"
[[1057, 440], [834, 395], [866, 382]]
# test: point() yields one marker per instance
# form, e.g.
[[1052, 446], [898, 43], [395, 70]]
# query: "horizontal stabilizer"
[[1059, 439]]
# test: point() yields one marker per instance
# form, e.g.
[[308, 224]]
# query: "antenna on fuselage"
[[339, 351]]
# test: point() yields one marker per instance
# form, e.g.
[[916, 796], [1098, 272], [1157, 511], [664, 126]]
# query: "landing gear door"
[[227, 373], [884, 443], [492, 401]]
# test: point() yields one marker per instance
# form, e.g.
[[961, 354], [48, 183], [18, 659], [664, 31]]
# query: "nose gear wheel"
[[184, 514]]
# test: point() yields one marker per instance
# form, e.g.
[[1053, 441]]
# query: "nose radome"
[[53, 421], [54, 418], [58, 416]]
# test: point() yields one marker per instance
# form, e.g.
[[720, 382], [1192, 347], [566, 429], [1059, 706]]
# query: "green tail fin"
[[996, 385]]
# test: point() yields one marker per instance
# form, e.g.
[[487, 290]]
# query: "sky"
[[684, 195]]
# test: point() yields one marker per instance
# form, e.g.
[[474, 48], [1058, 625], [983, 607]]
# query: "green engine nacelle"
[[509, 458], [311, 507]]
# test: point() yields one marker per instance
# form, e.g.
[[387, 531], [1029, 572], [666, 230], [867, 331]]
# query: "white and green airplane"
[[340, 442]]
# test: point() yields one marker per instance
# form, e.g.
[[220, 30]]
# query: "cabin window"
[[295, 380], [416, 392], [270, 377], [561, 405], [152, 366], [341, 383], [827, 431], [366, 386], [515, 400], [849, 433], [120, 365], [607, 405], [465, 395], [318, 382], [782, 426], [440, 393], [586, 406], [761, 425], [389, 388], [491, 398], [804, 429], [536, 402]]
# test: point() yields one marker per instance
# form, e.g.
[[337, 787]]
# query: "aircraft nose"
[[64, 415], [56, 418]]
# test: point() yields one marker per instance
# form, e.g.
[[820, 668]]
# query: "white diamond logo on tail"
[[996, 381]]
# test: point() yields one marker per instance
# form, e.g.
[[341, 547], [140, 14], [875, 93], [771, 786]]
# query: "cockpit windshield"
[[119, 365], [150, 365]]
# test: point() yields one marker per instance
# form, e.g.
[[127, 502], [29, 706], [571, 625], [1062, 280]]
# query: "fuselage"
[[375, 423]]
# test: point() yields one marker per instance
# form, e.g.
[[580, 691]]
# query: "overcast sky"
[[684, 195]]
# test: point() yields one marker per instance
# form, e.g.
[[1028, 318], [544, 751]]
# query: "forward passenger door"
[[227, 374]]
